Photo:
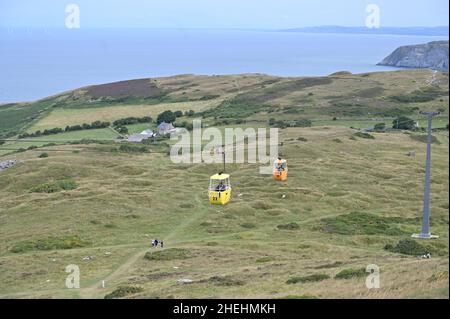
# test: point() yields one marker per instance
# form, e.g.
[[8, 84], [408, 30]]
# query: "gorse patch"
[[364, 224], [123, 292], [54, 187], [50, 243], [168, 254], [350, 273], [407, 247], [309, 278]]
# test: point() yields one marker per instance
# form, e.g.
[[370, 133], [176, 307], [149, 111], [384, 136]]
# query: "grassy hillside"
[[251, 97], [347, 198], [349, 201]]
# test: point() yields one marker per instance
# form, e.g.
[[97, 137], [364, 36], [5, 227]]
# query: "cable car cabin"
[[280, 170], [219, 189]]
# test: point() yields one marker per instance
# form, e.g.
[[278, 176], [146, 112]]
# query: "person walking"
[[162, 244]]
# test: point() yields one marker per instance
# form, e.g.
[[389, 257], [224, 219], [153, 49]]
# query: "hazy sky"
[[222, 13]]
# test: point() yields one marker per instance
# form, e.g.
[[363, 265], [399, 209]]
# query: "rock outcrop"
[[7, 164], [433, 55]]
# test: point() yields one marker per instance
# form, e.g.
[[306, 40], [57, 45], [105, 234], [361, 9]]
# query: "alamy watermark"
[[73, 16], [190, 147], [373, 279], [373, 19], [73, 279]]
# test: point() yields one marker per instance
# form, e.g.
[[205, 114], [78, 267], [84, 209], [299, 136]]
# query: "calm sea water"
[[38, 63]]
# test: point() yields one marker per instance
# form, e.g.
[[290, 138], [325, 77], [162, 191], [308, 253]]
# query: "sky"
[[239, 14]]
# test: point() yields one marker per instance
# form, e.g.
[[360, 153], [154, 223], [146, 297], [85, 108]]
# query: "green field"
[[96, 134], [349, 201]]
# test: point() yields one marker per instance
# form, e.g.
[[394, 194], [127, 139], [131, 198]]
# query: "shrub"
[[224, 281], [168, 254], [54, 187], [309, 278], [364, 135], [178, 113], [403, 123], [124, 291], [189, 113], [121, 129], [289, 226], [363, 224], [407, 247], [51, 243], [350, 273], [43, 155]]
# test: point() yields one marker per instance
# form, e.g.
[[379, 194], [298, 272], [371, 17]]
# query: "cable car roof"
[[220, 176]]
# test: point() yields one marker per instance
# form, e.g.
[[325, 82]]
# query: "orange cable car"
[[280, 170]]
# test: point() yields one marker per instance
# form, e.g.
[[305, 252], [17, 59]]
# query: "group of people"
[[155, 243]]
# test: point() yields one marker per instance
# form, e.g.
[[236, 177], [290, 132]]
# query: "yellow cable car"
[[219, 189], [280, 170]]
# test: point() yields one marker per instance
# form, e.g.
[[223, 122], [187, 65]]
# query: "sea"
[[36, 63]]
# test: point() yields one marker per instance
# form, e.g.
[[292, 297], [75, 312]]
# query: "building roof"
[[138, 137], [147, 132], [164, 125]]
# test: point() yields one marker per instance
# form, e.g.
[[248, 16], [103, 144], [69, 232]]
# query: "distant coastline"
[[422, 31]]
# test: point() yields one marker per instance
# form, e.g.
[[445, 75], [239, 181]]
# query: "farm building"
[[165, 128], [137, 138]]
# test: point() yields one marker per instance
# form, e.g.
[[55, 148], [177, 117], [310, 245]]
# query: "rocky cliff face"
[[433, 55]]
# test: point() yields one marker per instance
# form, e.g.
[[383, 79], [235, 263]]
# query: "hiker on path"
[[162, 244], [153, 243], [156, 243]]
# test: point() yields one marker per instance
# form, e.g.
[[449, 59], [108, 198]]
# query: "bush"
[[407, 247], [178, 113], [225, 281], [309, 278], [364, 135], [350, 273], [43, 155], [132, 120], [55, 187], [289, 226], [51, 243], [189, 113], [168, 254], [363, 224], [124, 291], [403, 123]]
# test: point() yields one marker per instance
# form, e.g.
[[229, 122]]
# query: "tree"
[[403, 123], [189, 113], [178, 113], [166, 116]]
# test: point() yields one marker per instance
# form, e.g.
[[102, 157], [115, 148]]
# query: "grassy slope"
[[125, 200]]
